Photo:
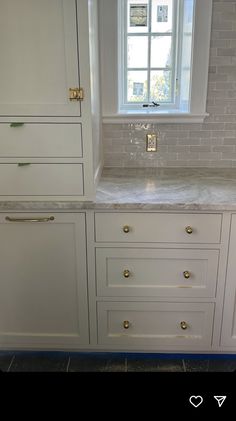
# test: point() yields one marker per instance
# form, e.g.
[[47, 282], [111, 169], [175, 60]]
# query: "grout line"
[[68, 365], [184, 366], [9, 368]]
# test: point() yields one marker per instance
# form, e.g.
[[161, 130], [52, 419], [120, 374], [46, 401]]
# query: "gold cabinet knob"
[[183, 325], [126, 273], [186, 274], [126, 324], [189, 230], [126, 229]]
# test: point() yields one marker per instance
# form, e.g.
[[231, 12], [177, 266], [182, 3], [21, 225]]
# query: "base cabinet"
[[157, 280], [64, 286], [43, 288]]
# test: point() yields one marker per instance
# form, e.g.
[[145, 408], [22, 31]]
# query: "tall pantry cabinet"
[[49, 101], [49, 151]]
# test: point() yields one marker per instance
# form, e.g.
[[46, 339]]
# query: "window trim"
[[109, 70]]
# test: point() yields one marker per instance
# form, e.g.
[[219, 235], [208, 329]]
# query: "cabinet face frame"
[[228, 332], [75, 301]]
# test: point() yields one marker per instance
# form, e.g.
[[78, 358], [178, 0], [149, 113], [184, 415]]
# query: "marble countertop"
[[168, 188], [151, 189]]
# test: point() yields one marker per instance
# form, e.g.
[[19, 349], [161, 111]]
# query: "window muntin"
[[149, 59]]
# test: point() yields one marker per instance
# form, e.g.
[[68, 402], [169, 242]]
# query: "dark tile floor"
[[113, 362]]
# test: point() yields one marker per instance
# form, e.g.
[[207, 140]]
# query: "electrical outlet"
[[151, 143]]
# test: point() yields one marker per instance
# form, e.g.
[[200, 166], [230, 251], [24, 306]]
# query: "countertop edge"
[[80, 206]]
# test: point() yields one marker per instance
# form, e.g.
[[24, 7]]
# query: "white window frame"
[[124, 105], [109, 61]]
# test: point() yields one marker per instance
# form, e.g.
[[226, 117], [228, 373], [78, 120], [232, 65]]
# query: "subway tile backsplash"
[[211, 144]]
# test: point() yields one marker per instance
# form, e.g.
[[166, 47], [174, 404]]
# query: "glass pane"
[[162, 15], [137, 52], [160, 86], [137, 86], [187, 51], [137, 15], [161, 51], [185, 80]]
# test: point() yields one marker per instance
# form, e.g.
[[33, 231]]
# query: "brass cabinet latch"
[[76, 94]]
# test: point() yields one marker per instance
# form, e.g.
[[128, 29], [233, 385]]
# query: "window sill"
[[154, 117]]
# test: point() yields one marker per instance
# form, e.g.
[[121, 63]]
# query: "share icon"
[[220, 400]]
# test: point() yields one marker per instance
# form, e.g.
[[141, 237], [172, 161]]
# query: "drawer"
[[41, 180], [41, 140], [163, 325], [155, 228], [151, 272]]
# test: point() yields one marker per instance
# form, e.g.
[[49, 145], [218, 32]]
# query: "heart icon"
[[196, 400]]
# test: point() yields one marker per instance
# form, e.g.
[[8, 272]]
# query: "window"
[[152, 33], [154, 60], [149, 53]]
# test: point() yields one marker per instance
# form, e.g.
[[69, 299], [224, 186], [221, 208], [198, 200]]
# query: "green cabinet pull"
[[16, 124], [23, 164]]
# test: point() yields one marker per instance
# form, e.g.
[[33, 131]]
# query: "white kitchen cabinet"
[[43, 288], [228, 336], [39, 58], [142, 295], [158, 228], [157, 280], [160, 325], [157, 273], [41, 180], [49, 103], [43, 140]]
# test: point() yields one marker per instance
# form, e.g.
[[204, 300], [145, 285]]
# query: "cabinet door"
[[228, 336], [43, 295], [39, 57]]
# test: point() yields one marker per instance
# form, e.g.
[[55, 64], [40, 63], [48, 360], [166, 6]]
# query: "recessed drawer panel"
[[163, 325], [154, 227], [41, 180], [151, 272], [41, 140]]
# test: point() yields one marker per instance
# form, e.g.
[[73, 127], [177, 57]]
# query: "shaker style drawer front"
[[41, 179], [154, 227], [164, 325], [41, 140], [151, 272]]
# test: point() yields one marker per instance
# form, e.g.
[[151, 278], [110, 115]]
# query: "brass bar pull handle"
[[23, 164], [17, 124], [49, 219]]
